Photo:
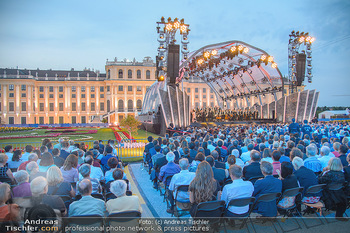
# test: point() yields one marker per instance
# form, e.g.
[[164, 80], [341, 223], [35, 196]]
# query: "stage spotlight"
[[233, 49], [301, 39], [274, 65], [270, 59], [263, 57], [206, 54], [183, 28], [312, 39], [214, 52], [161, 78], [240, 48], [176, 23], [168, 26], [245, 50], [200, 61]]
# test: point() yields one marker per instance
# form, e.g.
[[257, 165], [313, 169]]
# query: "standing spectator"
[[203, 187], [16, 160], [23, 186], [237, 189], [312, 162], [69, 169], [269, 184], [87, 205]]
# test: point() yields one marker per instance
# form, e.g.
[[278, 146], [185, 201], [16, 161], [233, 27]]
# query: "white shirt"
[[9, 155], [325, 159], [96, 173], [245, 156], [25, 156], [267, 159], [239, 162], [184, 177], [237, 189]]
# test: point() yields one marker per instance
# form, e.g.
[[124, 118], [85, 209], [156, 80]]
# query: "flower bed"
[[116, 134], [14, 129], [31, 136], [72, 131]]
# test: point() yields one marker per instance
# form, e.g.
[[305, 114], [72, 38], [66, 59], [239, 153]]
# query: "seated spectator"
[[16, 160], [63, 149], [112, 164], [269, 184], [296, 152], [253, 169], [223, 152], [57, 185], [336, 147], [184, 177], [69, 169], [9, 152], [33, 171], [217, 163], [219, 174], [87, 205], [343, 150], [5, 173], [276, 155], [81, 156], [169, 169], [237, 189], [31, 157], [58, 145], [49, 147], [8, 212], [306, 178], [85, 171], [96, 172], [193, 151], [46, 162], [231, 160], [239, 161], [283, 157], [334, 200], [71, 146], [347, 169], [122, 202], [267, 155], [104, 160], [23, 186], [246, 155], [117, 174], [39, 188], [199, 158], [312, 162], [289, 181], [58, 161], [28, 151], [325, 156], [203, 187]]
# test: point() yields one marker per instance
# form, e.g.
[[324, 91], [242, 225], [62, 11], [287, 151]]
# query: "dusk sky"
[[81, 33]]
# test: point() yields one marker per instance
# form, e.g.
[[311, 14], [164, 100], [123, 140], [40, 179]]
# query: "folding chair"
[[240, 202], [315, 189], [123, 219], [110, 196], [163, 186], [268, 197], [291, 210], [333, 187], [93, 222], [211, 211], [185, 205], [254, 179]]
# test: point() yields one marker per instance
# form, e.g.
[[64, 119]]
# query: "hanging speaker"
[[300, 68], [173, 62]]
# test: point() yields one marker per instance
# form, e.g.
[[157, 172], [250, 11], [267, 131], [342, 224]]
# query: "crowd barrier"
[[126, 148]]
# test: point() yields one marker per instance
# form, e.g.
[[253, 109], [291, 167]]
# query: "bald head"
[[85, 187]]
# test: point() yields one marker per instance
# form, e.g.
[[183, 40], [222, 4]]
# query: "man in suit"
[[217, 163], [269, 184], [219, 174], [253, 169]]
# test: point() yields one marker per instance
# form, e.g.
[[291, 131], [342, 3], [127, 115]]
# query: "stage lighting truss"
[[298, 41], [166, 36], [234, 70]]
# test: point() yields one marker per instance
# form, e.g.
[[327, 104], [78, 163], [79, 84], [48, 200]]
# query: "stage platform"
[[227, 123]]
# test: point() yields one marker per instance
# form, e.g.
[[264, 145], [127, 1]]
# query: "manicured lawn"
[[144, 134]]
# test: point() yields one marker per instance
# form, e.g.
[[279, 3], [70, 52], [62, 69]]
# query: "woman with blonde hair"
[[69, 169], [57, 185], [333, 176], [203, 187]]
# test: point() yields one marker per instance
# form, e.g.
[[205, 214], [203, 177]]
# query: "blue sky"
[[77, 34]]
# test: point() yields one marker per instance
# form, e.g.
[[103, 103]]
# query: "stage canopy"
[[233, 70]]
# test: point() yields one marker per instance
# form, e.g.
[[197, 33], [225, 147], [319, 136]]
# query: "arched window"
[[148, 74], [120, 73], [120, 106], [129, 73], [130, 106], [138, 74], [139, 105], [108, 106]]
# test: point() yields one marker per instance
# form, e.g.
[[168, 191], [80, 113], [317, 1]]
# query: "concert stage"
[[228, 123]]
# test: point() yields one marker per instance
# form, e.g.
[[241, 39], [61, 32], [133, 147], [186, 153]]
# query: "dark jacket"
[[252, 170], [219, 175], [219, 164], [306, 178]]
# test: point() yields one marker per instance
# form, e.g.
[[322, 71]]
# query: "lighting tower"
[[296, 67], [166, 38]]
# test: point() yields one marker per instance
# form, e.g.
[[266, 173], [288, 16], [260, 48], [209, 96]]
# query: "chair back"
[[125, 219], [292, 192], [315, 188], [110, 196], [268, 197], [254, 179], [210, 209], [167, 180], [181, 188], [335, 186], [240, 202], [95, 223], [98, 195]]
